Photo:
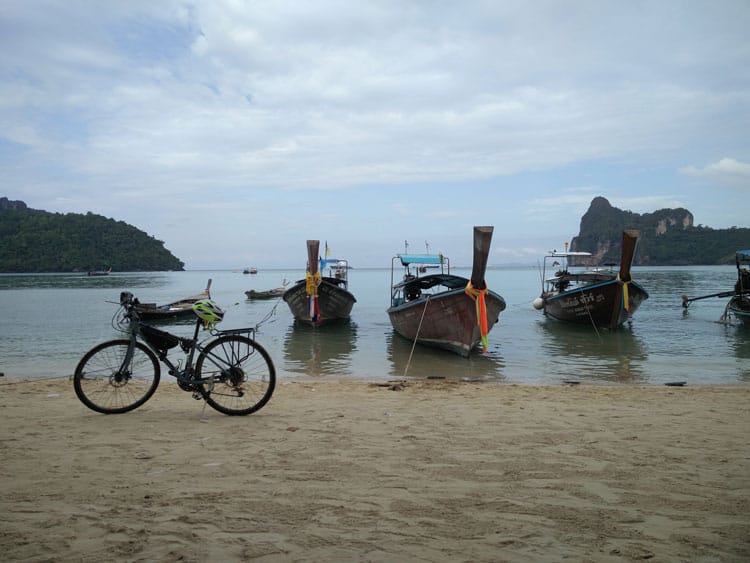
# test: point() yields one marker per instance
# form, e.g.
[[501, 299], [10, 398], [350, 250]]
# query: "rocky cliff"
[[668, 237]]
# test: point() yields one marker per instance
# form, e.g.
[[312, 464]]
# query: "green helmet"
[[208, 311]]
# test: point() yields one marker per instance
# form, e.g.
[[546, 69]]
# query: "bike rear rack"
[[250, 331]]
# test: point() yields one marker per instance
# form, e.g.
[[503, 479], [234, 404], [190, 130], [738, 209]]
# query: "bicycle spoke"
[[104, 384], [239, 376]]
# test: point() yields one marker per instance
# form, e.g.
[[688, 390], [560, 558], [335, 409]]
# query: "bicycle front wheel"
[[236, 374], [105, 384]]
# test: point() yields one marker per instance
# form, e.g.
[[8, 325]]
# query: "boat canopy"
[[582, 277], [426, 282], [407, 259], [743, 254], [332, 263]]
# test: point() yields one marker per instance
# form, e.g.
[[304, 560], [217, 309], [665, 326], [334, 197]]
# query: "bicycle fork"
[[124, 372]]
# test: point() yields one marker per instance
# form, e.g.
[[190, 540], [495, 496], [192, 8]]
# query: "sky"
[[236, 130]]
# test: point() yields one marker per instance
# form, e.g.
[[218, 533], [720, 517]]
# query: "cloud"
[[647, 203], [420, 116], [274, 95], [727, 170], [568, 197]]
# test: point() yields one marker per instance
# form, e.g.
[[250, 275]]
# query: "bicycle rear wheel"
[[236, 374], [102, 384]]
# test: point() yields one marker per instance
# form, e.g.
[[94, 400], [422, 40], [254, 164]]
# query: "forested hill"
[[668, 237], [38, 241]]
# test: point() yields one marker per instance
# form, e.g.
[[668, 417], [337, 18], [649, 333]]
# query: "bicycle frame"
[[188, 346]]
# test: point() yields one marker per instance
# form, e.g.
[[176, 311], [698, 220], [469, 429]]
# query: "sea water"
[[49, 321]]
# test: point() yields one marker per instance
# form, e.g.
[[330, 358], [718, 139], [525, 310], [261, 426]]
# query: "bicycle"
[[232, 372]]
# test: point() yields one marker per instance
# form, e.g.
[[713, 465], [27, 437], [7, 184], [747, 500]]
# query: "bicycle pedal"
[[197, 396]]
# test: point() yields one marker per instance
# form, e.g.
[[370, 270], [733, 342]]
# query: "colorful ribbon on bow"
[[312, 281], [478, 295]]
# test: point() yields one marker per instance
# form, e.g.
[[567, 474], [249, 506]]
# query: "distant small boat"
[[444, 310], [250, 271], [600, 297], [320, 299], [738, 305], [100, 272], [176, 309]]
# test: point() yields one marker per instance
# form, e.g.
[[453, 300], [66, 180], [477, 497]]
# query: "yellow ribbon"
[[311, 287], [312, 282], [625, 294], [478, 295]]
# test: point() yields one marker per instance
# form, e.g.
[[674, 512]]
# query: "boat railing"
[[338, 271], [411, 266]]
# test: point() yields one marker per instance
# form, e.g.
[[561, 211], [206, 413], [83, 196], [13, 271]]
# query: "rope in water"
[[268, 316], [416, 336], [591, 318]]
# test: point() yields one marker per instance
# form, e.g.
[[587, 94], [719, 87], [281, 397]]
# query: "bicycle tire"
[[242, 375], [99, 385]]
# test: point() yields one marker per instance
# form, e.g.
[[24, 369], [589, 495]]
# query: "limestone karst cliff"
[[668, 237]]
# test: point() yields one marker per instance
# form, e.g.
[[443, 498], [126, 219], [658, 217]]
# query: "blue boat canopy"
[[332, 262], [744, 254], [407, 259]]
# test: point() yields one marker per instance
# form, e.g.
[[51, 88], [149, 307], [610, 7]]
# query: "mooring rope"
[[416, 336], [268, 316], [585, 304]]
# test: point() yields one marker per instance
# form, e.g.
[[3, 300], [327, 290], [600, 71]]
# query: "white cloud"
[[175, 104], [646, 204], [726, 170]]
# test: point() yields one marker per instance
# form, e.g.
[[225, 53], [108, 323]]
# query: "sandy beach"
[[361, 471]]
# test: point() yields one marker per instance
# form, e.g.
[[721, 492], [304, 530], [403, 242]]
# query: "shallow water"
[[50, 320]]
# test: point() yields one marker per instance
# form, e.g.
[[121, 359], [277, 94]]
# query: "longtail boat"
[[100, 272], [267, 293], [600, 297], [320, 299], [441, 309], [738, 305], [174, 310]]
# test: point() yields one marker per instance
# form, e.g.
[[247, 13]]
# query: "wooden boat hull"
[[739, 307], [334, 303], [171, 311], [270, 294], [175, 310], [599, 304], [446, 320]]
